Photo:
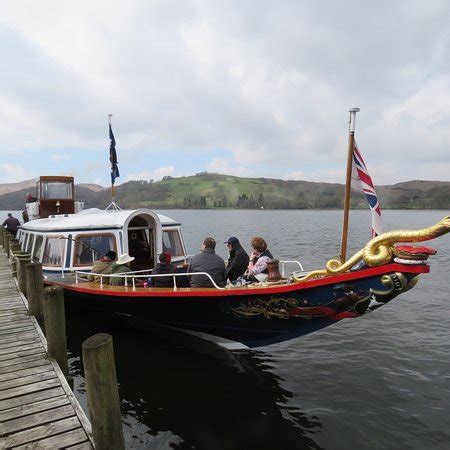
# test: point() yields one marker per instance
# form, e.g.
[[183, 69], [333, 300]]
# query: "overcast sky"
[[252, 88]]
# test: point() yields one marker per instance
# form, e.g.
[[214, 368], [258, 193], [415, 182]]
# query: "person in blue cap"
[[237, 261]]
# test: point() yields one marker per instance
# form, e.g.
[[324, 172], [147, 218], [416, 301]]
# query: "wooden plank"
[[22, 359], [25, 372], [34, 420], [79, 410], [50, 429], [18, 318], [19, 330], [10, 303], [62, 440], [14, 329], [29, 335], [15, 309], [15, 324], [24, 365], [83, 446], [12, 313], [30, 398], [28, 389], [15, 343], [30, 379], [19, 354], [44, 405]]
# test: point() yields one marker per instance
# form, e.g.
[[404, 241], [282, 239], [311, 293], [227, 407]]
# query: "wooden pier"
[[37, 406]]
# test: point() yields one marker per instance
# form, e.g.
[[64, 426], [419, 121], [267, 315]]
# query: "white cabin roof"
[[92, 218]]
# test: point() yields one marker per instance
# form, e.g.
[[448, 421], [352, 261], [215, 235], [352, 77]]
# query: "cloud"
[[12, 173], [156, 174], [228, 167], [268, 82], [61, 156], [330, 175]]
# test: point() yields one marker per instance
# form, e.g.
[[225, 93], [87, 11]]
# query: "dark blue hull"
[[255, 320]]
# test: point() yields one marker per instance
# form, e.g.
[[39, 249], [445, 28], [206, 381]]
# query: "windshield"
[[172, 243], [89, 248], [56, 190]]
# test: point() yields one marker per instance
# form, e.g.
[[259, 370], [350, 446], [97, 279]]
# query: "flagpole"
[[113, 190], [348, 181]]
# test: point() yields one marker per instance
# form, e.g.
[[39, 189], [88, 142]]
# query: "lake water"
[[380, 381]]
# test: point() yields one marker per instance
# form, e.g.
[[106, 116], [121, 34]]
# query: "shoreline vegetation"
[[215, 191]]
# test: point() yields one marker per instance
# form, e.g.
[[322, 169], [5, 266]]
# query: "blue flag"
[[113, 156]]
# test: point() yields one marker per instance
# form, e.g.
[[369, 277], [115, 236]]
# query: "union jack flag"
[[362, 181]]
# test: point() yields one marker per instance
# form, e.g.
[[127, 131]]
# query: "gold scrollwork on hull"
[[378, 251], [274, 307], [395, 282]]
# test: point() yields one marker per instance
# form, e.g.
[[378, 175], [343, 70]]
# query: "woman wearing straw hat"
[[122, 265]]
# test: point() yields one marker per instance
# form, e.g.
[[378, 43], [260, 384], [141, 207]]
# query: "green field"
[[224, 191]]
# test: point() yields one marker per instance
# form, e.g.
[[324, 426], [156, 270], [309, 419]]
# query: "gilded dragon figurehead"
[[379, 250]]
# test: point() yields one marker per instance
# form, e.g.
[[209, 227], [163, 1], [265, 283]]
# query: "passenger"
[[104, 266], [163, 267], [12, 224], [30, 198], [207, 261], [257, 269], [238, 260], [122, 265]]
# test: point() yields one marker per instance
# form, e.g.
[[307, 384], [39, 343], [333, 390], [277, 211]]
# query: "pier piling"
[[6, 241], [21, 262], [102, 392], [55, 326], [35, 290]]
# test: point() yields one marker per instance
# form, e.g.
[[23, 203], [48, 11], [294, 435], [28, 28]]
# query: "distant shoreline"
[[211, 191]]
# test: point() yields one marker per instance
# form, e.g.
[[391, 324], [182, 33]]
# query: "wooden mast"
[[348, 182]]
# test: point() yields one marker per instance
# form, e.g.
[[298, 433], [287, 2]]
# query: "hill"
[[225, 191], [14, 187]]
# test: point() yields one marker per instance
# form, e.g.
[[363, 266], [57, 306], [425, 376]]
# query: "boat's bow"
[[384, 249]]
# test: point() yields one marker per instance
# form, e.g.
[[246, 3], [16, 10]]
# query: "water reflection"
[[181, 392]]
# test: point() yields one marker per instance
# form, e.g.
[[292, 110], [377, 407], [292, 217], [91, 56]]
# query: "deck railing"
[[284, 263], [133, 276]]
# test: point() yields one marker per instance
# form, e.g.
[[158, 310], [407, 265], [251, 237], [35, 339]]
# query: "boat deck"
[[37, 407], [69, 283]]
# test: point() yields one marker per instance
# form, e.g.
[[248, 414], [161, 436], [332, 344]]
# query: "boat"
[[67, 242]]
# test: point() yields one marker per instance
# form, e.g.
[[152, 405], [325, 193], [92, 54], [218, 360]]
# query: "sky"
[[249, 88]]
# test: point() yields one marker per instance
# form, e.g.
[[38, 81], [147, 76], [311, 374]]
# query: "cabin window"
[[53, 251], [172, 243], [89, 248], [30, 243], [37, 247], [56, 190]]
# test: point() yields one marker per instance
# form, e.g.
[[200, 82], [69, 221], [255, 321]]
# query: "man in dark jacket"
[[12, 224], [162, 268], [238, 260], [207, 261]]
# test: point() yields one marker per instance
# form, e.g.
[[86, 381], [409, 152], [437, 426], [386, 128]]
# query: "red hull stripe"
[[278, 289]]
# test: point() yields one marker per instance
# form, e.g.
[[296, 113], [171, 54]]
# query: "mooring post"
[[55, 326], [102, 392], [35, 289], [6, 243], [22, 261]]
